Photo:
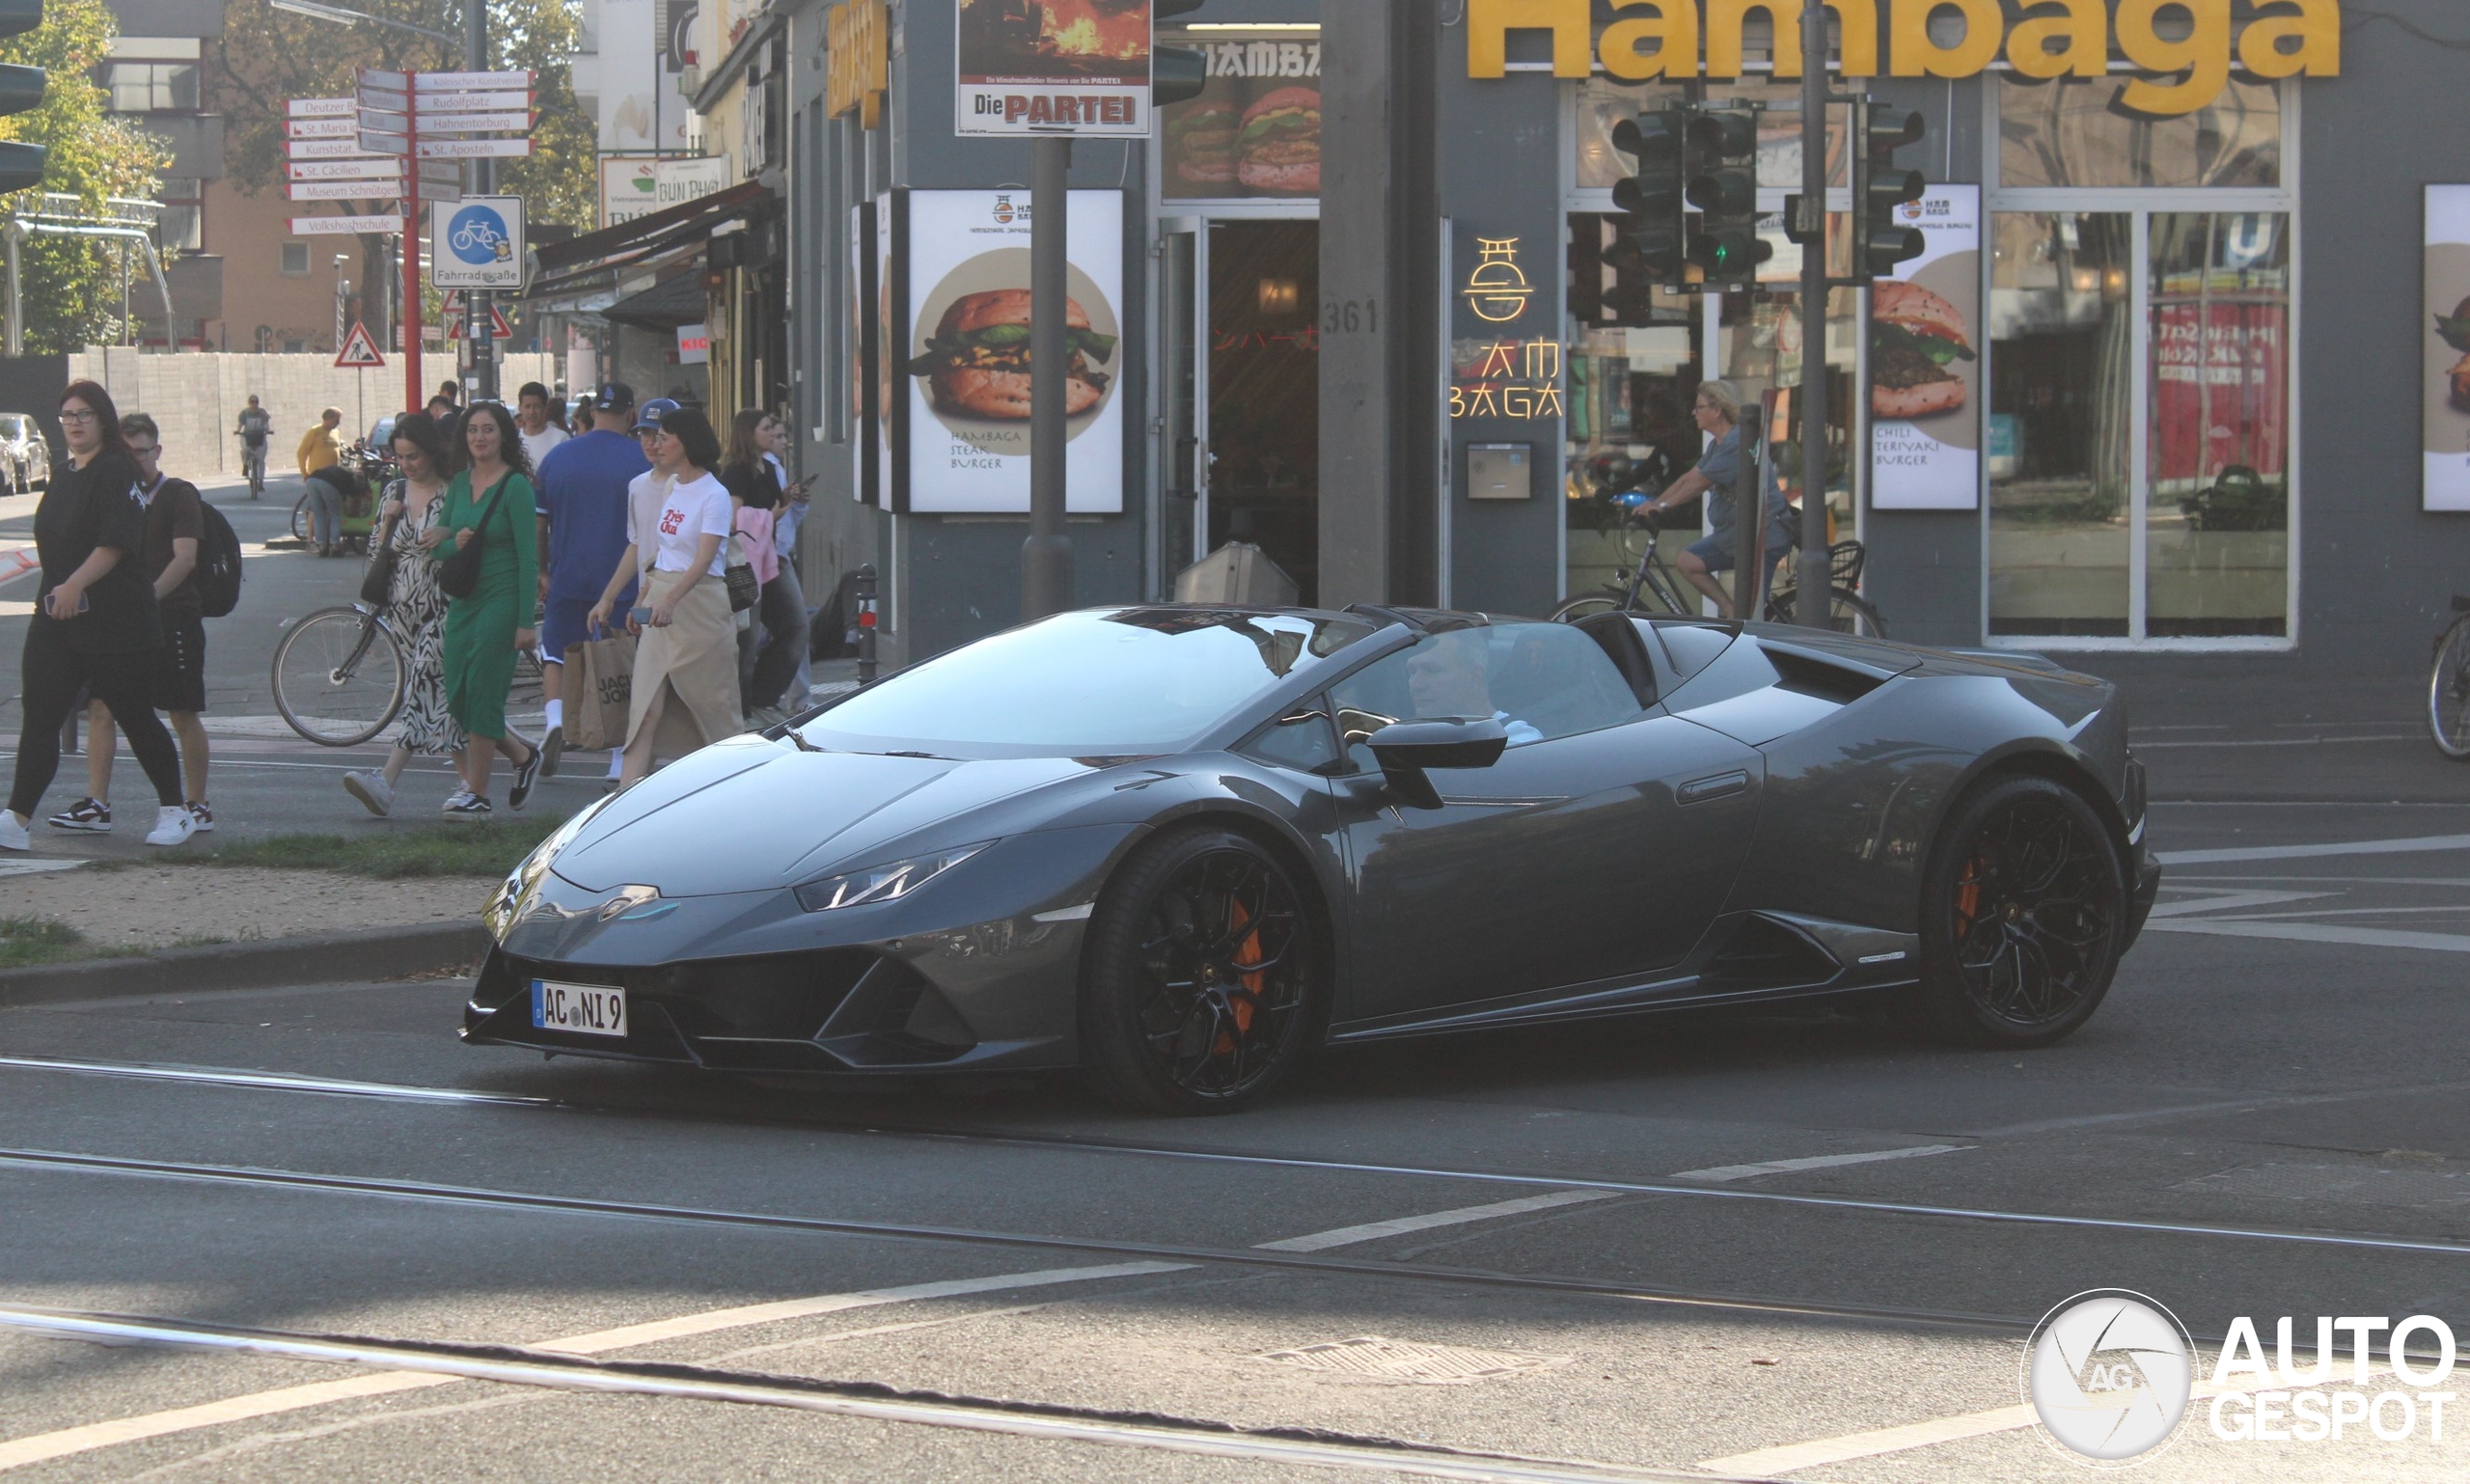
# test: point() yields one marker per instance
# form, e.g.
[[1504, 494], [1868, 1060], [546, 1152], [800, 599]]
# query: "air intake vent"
[[1810, 675], [1765, 954]]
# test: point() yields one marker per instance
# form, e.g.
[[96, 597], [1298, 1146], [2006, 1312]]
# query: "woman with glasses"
[[685, 692], [95, 622]]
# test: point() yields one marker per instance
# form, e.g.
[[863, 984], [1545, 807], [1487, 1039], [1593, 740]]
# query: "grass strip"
[[25, 942], [475, 849]]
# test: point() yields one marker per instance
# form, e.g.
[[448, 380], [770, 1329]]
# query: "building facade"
[[2189, 277], [157, 76]]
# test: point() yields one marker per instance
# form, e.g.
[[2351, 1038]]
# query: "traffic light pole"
[[1815, 569], [477, 303], [1046, 557]]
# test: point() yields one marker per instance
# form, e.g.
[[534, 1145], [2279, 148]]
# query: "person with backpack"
[[95, 622], [174, 537]]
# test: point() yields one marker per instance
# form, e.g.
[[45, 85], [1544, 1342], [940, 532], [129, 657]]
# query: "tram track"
[[291, 1083]]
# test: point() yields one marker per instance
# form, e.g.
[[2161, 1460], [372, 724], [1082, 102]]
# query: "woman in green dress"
[[490, 501]]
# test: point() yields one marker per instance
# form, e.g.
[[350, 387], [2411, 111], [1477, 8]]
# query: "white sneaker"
[[173, 824], [371, 788], [13, 833]]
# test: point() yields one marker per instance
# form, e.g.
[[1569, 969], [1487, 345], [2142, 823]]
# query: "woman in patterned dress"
[[413, 507]]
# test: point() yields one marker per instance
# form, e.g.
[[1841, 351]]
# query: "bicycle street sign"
[[476, 243]]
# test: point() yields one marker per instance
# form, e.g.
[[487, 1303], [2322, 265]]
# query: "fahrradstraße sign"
[[476, 243]]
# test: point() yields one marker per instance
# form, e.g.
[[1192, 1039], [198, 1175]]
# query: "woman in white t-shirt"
[[685, 687]]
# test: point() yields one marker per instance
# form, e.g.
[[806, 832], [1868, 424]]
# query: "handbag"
[[377, 584], [738, 575], [600, 689], [459, 574]]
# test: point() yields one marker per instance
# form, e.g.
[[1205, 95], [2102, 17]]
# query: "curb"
[[377, 953]]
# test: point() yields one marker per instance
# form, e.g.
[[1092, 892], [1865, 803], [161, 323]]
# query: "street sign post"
[[359, 350], [476, 243]]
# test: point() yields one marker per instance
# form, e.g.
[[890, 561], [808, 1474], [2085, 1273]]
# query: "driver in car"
[[1452, 676]]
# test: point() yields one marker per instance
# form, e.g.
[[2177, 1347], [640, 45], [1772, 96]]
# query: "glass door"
[[1183, 400], [1259, 403]]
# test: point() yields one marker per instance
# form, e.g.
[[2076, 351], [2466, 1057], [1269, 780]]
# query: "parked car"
[[25, 456]]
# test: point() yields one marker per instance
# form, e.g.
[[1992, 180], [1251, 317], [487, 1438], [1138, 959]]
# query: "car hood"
[[750, 814]]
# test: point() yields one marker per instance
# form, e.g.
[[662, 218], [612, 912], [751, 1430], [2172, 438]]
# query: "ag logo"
[[2108, 1372], [478, 236]]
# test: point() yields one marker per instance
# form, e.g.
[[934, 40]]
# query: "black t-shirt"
[[173, 511], [84, 508]]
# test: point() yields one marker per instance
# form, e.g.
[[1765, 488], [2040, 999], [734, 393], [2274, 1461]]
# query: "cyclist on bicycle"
[[255, 423], [1718, 413]]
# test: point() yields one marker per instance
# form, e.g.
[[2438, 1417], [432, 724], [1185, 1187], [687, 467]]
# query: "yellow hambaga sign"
[[2058, 39]]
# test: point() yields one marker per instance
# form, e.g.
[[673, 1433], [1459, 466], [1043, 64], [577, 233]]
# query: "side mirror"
[[1406, 749]]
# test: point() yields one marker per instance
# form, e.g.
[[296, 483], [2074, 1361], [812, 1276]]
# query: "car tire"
[[2023, 916], [1202, 976]]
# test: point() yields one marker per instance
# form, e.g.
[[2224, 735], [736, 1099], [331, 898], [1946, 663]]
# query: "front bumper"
[[2148, 884]]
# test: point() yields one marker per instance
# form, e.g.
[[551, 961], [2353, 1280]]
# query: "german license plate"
[[583, 1010]]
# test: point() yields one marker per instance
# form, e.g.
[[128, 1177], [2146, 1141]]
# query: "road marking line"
[[2399, 736], [2217, 900], [2336, 911], [1722, 1172], [66, 1442], [2307, 932], [1373, 1231], [2306, 852]]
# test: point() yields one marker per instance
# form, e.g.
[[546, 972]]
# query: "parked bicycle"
[[2449, 686], [1648, 586], [341, 674]]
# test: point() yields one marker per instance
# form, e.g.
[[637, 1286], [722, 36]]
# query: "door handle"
[[1721, 785]]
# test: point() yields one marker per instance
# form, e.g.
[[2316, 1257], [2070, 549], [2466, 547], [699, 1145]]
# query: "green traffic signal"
[[1722, 145]]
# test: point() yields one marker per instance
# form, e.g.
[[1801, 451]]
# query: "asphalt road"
[[304, 1233], [1781, 1244]]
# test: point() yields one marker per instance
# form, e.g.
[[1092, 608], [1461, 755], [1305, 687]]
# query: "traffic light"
[[1651, 245], [20, 89], [1176, 73], [1723, 185], [1881, 189]]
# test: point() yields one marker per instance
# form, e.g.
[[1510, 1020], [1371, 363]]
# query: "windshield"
[[1126, 682]]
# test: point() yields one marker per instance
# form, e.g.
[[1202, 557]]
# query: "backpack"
[[218, 564]]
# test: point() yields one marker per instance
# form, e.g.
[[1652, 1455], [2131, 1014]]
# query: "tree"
[[269, 57], [71, 288]]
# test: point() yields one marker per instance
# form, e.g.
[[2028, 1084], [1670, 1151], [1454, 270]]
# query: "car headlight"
[[505, 908], [889, 882]]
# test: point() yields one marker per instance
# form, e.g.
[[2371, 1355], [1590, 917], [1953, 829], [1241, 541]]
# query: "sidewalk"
[[141, 908]]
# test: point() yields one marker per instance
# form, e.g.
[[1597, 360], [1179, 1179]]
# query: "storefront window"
[[2217, 523], [1629, 429], [1255, 130], [2061, 334], [2071, 132], [1763, 350], [1602, 104]]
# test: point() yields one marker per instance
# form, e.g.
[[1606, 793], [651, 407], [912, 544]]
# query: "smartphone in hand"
[[50, 604], [639, 615]]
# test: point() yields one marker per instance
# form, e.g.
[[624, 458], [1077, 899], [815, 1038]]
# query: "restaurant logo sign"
[[1497, 291], [2293, 38]]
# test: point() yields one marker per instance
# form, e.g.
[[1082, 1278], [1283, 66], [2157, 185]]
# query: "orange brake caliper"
[[1968, 896], [1242, 1005]]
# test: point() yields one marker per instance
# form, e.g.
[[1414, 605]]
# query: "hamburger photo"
[[1279, 147], [1201, 142], [1916, 338], [977, 361]]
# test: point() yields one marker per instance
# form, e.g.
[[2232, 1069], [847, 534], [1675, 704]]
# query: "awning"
[[579, 265], [665, 306]]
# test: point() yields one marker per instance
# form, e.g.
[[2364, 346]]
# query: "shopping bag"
[[599, 689]]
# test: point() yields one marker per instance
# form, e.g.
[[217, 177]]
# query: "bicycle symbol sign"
[[478, 235], [477, 243]]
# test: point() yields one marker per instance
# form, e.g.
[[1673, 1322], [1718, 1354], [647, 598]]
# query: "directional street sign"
[[385, 122], [473, 148], [346, 226], [320, 128], [385, 144], [359, 350], [373, 77], [327, 150], [451, 102], [453, 122], [455, 82], [343, 190], [318, 108], [372, 168]]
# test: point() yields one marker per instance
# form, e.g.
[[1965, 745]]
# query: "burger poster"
[[2444, 355], [1256, 129], [1925, 362], [1048, 66], [963, 353]]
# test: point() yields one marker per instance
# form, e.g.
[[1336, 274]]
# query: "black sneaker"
[[526, 773], [466, 805], [94, 817], [552, 748]]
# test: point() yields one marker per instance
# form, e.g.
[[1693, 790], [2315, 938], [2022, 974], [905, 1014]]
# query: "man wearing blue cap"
[[582, 508]]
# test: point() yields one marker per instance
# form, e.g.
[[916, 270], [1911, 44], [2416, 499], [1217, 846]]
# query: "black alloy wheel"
[[2024, 911], [1200, 976]]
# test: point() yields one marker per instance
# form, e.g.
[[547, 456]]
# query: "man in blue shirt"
[[582, 510]]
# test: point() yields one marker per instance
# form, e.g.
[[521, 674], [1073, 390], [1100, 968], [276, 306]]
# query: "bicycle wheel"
[[300, 520], [338, 677], [2449, 691], [1847, 612], [1586, 607]]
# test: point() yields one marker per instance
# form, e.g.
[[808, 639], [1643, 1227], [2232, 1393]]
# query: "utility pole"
[[479, 174], [1815, 571], [1046, 557]]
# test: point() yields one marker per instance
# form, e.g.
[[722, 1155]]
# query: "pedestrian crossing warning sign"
[[359, 350]]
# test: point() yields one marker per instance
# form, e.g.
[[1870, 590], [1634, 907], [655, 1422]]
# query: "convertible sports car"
[[1177, 846]]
